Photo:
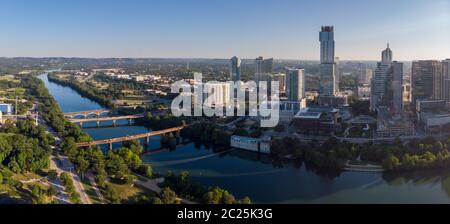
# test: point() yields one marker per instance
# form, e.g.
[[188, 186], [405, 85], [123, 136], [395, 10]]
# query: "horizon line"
[[204, 58]]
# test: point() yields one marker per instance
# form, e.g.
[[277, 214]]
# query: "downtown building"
[[427, 81], [446, 84], [328, 68], [381, 80], [296, 97], [281, 79], [235, 69], [430, 94], [263, 69], [387, 84], [296, 85], [397, 88]]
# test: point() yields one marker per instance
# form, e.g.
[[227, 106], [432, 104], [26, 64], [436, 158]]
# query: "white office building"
[[6, 108]]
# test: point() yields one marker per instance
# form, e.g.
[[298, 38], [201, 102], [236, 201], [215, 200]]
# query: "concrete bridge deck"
[[98, 119], [86, 113], [128, 138]]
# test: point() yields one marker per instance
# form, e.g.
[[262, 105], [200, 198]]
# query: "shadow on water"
[[6, 199], [420, 178]]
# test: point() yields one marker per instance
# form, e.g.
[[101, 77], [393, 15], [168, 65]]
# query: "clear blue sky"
[[284, 29]]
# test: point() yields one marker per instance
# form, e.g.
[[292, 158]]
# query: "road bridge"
[[86, 113], [100, 119], [145, 136]]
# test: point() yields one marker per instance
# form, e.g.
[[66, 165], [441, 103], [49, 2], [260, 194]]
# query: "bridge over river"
[[86, 113], [100, 119], [72, 116], [145, 136]]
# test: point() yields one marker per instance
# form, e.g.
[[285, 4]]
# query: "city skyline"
[[416, 29]]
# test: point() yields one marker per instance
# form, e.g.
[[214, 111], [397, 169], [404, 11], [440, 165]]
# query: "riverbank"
[[84, 90]]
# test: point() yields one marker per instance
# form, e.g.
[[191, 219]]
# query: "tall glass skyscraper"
[[327, 44], [382, 80], [263, 69], [235, 69], [327, 64], [446, 89], [296, 84], [426, 80], [397, 87], [386, 55]]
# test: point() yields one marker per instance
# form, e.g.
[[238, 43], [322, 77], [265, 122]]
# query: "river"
[[248, 174]]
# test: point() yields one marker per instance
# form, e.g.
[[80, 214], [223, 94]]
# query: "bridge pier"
[[178, 137], [114, 122], [81, 124], [98, 123], [110, 146], [147, 143], [130, 121]]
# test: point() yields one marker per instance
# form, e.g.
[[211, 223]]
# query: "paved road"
[[80, 189], [62, 164], [62, 196]]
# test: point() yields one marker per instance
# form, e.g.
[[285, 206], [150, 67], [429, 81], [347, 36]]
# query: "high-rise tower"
[[263, 69], [381, 80], [446, 84], [327, 44], [386, 55], [235, 69], [328, 78], [426, 80], [296, 84]]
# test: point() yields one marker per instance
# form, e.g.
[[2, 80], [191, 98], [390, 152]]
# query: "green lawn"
[[127, 192]]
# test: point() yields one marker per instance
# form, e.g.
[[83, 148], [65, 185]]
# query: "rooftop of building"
[[315, 112], [327, 28]]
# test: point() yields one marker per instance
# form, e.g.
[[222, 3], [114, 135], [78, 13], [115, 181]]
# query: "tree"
[[240, 132], [245, 201], [111, 194], [156, 201], [36, 191], [101, 178], [134, 146], [228, 198], [82, 165], [129, 179], [52, 174], [146, 169], [116, 166], [216, 195], [130, 158], [1, 178], [391, 162], [52, 191], [168, 196]]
